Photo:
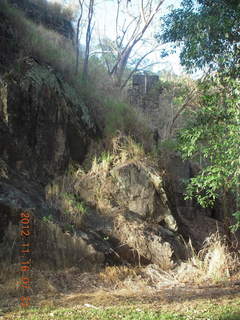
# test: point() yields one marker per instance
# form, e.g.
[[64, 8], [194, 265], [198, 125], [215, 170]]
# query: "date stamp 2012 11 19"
[[25, 256]]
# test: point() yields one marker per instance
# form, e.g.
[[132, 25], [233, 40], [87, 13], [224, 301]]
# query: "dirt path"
[[189, 295], [84, 290]]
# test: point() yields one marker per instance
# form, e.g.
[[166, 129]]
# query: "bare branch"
[[143, 12], [136, 67], [131, 35], [104, 57], [81, 2], [185, 105], [88, 38], [117, 18]]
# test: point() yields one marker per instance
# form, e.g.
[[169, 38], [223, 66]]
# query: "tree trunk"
[[88, 40]]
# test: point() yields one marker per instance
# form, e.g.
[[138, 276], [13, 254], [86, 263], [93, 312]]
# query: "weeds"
[[61, 195], [117, 276], [214, 262], [123, 149], [48, 218]]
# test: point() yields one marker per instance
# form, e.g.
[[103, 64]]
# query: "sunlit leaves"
[[208, 33], [214, 136]]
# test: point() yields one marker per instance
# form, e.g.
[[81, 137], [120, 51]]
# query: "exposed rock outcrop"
[[44, 123], [49, 246], [132, 210], [194, 222], [141, 191]]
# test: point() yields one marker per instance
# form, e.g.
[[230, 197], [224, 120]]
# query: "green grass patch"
[[204, 311]]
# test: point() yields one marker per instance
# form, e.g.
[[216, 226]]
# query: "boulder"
[[141, 191], [132, 211]]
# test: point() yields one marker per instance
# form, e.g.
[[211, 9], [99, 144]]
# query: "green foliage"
[[68, 227], [214, 136], [80, 206], [116, 112], [74, 202], [209, 36], [237, 224], [105, 157], [168, 145], [48, 218], [207, 31]]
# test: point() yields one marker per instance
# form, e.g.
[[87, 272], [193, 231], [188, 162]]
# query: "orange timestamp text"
[[25, 256]]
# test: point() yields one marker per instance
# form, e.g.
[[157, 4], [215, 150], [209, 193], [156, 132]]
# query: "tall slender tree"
[[131, 25]]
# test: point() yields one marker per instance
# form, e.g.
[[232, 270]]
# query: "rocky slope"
[[133, 216], [49, 15]]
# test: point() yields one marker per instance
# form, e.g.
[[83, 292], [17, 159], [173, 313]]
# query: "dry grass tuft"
[[126, 149], [219, 262], [214, 262], [123, 149], [60, 194], [99, 178], [119, 277]]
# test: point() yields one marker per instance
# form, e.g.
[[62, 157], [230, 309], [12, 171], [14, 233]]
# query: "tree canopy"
[[208, 33], [214, 135]]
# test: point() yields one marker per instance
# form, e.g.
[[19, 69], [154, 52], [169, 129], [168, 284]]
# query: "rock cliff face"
[[43, 126], [8, 44]]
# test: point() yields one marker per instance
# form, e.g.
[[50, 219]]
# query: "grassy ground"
[[229, 310], [182, 304]]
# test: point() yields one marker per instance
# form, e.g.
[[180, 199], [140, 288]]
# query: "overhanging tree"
[[214, 135], [208, 33]]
